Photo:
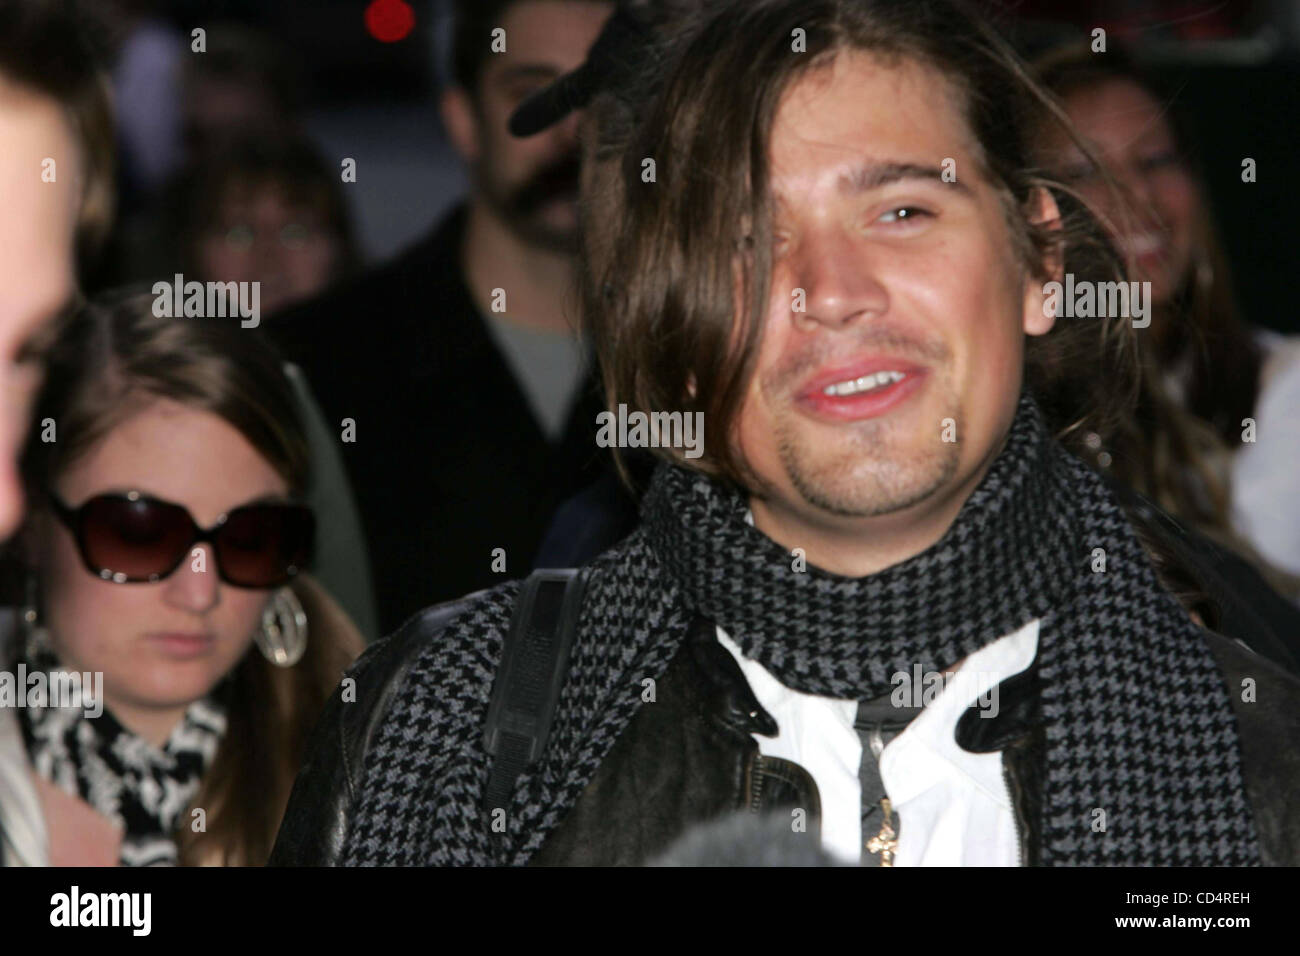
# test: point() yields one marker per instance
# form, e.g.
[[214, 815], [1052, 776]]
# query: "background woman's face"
[[1128, 129], [261, 237], [159, 645]]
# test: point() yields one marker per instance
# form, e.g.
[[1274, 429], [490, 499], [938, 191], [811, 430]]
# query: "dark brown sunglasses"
[[132, 538]]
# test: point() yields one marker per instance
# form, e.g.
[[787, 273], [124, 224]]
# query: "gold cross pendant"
[[885, 842]]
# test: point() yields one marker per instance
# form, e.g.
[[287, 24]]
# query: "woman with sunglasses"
[[164, 550]]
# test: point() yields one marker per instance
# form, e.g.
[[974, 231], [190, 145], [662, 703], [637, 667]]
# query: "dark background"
[[1235, 67]]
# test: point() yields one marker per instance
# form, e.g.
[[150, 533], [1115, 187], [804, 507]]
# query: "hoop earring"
[[282, 639]]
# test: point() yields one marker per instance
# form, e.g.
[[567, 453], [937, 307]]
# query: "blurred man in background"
[[453, 373]]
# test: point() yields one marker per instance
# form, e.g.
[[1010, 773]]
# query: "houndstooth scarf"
[[143, 789], [1138, 721]]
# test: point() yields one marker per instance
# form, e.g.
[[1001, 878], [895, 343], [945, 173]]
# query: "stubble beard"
[[875, 466], [875, 470]]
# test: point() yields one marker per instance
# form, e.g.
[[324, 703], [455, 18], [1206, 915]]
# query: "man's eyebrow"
[[872, 175]]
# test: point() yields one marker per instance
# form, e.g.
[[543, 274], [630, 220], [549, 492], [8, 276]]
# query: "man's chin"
[[856, 489], [551, 225]]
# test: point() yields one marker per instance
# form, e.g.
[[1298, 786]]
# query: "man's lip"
[[835, 409], [847, 372]]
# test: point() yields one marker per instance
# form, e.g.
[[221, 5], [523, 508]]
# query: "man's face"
[[37, 233], [915, 306], [532, 182]]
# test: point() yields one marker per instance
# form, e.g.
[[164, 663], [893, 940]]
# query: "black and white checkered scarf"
[[142, 788], [1138, 720]]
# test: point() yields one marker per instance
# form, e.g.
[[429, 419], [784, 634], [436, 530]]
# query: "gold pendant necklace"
[[885, 842]]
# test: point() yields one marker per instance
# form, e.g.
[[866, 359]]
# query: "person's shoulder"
[[1280, 365], [378, 282], [412, 689], [1270, 341], [394, 289], [1249, 670], [480, 617], [1248, 606], [1266, 704]]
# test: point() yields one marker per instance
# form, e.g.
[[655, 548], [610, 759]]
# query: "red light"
[[389, 20]]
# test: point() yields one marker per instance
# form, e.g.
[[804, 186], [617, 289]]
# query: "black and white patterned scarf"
[[1138, 721], [143, 789]]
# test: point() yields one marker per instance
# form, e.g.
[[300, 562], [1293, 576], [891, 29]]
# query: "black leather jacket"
[[692, 756]]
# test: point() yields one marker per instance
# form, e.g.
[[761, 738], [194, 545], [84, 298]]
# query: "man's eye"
[[905, 214]]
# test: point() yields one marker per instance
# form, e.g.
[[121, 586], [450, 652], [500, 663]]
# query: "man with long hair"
[[884, 603]]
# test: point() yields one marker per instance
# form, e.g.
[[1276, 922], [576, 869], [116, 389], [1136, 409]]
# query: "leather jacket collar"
[[1016, 731]]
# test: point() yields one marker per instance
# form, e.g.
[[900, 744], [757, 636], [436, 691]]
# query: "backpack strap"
[[534, 664]]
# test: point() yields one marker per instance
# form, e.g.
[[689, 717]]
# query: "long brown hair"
[[114, 356], [1202, 321], [1176, 454], [658, 297]]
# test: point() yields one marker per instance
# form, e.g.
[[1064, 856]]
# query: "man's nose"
[[834, 279], [194, 585]]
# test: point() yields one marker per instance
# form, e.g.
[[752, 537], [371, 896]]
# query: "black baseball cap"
[[621, 46]]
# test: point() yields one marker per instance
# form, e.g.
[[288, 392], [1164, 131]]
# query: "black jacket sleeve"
[[315, 823], [1249, 609]]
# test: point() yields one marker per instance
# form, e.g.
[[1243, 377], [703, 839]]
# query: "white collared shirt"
[[953, 805], [1265, 507]]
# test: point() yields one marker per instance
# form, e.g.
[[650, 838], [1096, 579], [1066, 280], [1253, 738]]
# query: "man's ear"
[[461, 121], [1037, 316]]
